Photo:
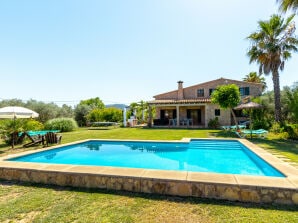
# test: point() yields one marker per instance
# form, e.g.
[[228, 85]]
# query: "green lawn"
[[24, 202]]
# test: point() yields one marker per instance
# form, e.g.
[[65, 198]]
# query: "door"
[[195, 115]]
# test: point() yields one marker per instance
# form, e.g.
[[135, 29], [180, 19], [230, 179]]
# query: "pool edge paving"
[[234, 187]]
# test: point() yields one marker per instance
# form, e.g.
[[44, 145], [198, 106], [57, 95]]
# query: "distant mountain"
[[120, 106]]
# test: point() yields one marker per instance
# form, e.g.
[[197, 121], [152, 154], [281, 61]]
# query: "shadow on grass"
[[279, 145], [156, 197], [168, 128], [224, 134]]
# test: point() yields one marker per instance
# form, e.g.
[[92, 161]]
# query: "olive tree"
[[227, 97]]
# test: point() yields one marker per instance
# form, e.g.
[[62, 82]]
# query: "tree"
[[66, 111], [253, 77], [46, 111], [12, 102], [271, 46], [105, 115], [291, 100], [286, 5], [81, 112], [227, 96], [84, 107], [93, 103]]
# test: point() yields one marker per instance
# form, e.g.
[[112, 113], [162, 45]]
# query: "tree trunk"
[[277, 104], [234, 117]]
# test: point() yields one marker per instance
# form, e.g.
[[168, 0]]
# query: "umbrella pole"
[[14, 125], [250, 123]]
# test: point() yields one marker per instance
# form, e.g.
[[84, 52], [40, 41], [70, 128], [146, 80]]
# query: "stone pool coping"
[[259, 189]]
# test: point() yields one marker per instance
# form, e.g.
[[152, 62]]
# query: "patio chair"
[[34, 140], [52, 138]]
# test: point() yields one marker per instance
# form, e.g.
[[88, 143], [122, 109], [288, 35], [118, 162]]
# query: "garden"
[[28, 202]]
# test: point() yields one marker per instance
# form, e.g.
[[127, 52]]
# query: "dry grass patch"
[[171, 212]]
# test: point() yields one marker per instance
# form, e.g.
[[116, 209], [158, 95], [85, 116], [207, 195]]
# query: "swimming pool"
[[218, 156]]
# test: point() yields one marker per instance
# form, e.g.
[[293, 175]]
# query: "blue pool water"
[[217, 156]]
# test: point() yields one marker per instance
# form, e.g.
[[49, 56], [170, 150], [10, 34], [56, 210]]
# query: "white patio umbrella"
[[249, 106], [14, 112]]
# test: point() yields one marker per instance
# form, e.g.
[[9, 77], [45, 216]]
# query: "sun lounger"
[[37, 139], [260, 133], [232, 127]]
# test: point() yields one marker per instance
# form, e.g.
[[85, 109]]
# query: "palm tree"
[[286, 5], [271, 46], [255, 78]]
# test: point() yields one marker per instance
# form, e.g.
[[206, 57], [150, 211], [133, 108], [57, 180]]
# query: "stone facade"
[[184, 188], [189, 98], [255, 89]]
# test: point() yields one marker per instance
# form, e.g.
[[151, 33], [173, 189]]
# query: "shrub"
[[213, 123], [292, 131], [33, 125], [276, 128], [8, 127], [105, 115], [62, 124], [285, 131]]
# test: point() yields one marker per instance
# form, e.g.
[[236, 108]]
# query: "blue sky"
[[64, 51]]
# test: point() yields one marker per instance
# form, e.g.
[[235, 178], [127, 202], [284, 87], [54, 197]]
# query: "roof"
[[184, 101]]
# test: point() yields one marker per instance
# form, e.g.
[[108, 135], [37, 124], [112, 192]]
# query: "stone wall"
[[255, 194], [191, 92]]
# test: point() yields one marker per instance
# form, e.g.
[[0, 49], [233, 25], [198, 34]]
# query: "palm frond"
[[286, 5], [273, 43]]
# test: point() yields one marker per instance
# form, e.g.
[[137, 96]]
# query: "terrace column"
[[150, 116], [206, 116], [178, 115], [124, 116]]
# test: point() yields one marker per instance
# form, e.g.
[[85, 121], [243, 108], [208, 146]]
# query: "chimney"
[[180, 90]]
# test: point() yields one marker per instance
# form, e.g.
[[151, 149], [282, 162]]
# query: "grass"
[[25, 202]]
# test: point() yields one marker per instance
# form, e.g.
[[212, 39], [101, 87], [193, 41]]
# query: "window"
[[200, 93], [244, 91], [210, 91], [217, 112]]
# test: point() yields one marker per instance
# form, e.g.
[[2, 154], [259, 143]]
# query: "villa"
[[192, 107]]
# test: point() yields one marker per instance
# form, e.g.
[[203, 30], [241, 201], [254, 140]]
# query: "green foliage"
[[66, 112], [227, 96], [8, 127], [259, 116], [285, 131], [81, 112], [291, 102], [95, 115], [286, 5], [141, 110], [213, 123], [62, 124], [12, 102], [105, 115], [253, 77], [276, 128], [292, 131], [271, 47], [33, 125], [112, 115], [46, 111], [84, 107], [93, 103]]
